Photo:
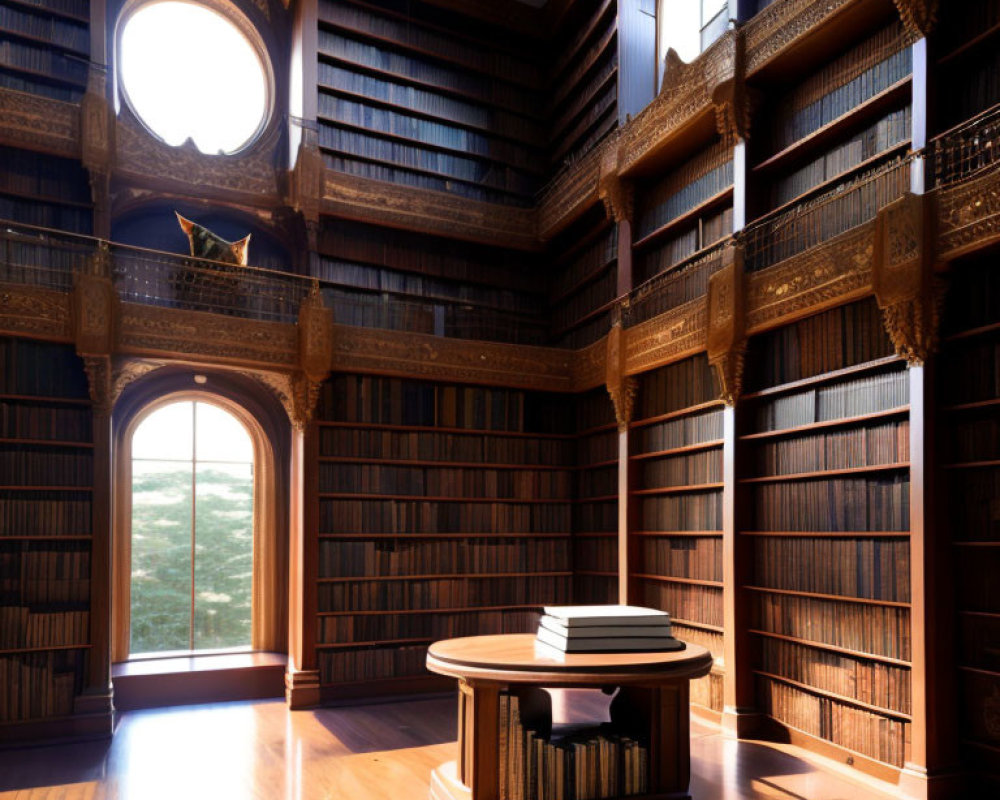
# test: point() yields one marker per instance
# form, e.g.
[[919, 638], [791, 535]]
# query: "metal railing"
[[966, 150], [682, 283]]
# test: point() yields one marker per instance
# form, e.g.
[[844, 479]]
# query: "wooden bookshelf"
[[675, 497], [420, 536], [45, 532], [595, 510], [44, 47], [968, 443], [823, 499], [967, 63], [46, 191]]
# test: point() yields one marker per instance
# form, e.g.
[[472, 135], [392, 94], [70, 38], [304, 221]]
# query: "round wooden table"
[[653, 695]]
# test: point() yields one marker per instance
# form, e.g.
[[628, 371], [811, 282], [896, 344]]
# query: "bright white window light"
[[187, 71]]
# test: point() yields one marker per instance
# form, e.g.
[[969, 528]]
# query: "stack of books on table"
[[606, 629]]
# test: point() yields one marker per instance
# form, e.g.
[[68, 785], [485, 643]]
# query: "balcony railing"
[[685, 282], [966, 150]]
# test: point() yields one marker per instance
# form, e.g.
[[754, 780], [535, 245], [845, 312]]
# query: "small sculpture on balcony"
[[210, 287]]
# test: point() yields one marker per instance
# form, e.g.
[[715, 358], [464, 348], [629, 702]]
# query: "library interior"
[[331, 330]]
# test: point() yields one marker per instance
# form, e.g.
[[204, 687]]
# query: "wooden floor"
[[259, 749]]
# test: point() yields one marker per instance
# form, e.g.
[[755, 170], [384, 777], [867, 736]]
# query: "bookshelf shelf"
[[970, 46], [428, 498], [46, 443], [381, 426], [584, 34], [443, 576], [977, 405], [840, 598], [712, 203], [24, 398], [447, 535], [13, 651], [829, 473], [840, 698], [833, 376], [973, 465], [974, 333], [596, 572], [373, 643], [828, 133], [684, 412], [16, 488], [45, 77], [831, 534], [595, 535], [695, 487], [896, 662], [670, 579], [690, 623], [681, 534], [566, 84], [431, 464], [711, 444], [451, 610], [36, 8], [584, 281], [842, 422]]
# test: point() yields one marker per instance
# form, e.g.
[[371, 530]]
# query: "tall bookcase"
[[595, 510], [969, 451], [675, 496], [43, 190], [824, 488], [46, 458], [45, 47], [443, 511], [413, 94], [585, 281]]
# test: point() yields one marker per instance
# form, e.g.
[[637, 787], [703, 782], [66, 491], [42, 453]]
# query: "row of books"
[[584, 334], [60, 31], [595, 555], [588, 101], [682, 470], [878, 569], [24, 172], [843, 206], [36, 685], [597, 482], [708, 692], [972, 372], [594, 409], [451, 556], [448, 165], [597, 448], [371, 663], [959, 29], [38, 58], [699, 558], [579, 149], [840, 449], [675, 387], [592, 260], [27, 465], [861, 627], [977, 587], [20, 626], [595, 588], [835, 339], [580, 765], [667, 284], [584, 22], [973, 86], [416, 516], [572, 89], [699, 604], [879, 737], [698, 511], [21, 82], [46, 215], [872, 682], [433, 625], [680, 246], [843, 504], [710, 640], [410, 34], [44, 514], [33, 420], [697, 428], [466, 262], [442, 593], [360, 168], [979, 641], [596, 516], [571, 310], [54, 590], [893, 129], [976, 518], [78, 9], [520, 484], [378, 57], [600, 107], [450, 318], [699, 178], [841, 86]]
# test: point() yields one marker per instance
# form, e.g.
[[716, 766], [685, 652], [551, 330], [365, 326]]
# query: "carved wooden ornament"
[[727, 338], [94, 314], [919, 16], [906, 291], [623, 389]]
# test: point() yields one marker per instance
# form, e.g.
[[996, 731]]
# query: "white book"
[[556, 626], [573, 616], [606, 644]]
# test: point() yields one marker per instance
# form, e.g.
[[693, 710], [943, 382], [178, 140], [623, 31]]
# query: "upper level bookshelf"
[[595, 509], [969, 447], [966, 81], [584, 282], [438, 507], [46, 460], [675, 535], [407, 95], [45, 47], [46, 191], [685, 211], [823, 488]]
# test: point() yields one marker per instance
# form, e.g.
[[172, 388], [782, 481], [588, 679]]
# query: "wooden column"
[[623, 391]]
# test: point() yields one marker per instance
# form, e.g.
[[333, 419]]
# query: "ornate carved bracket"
[[97, 147], [95, 308], [919, 16], [727, 337], [305, 186], [906, 290], [725, 78], [315, 327], [100, 383], [622, 388], [617, 196]]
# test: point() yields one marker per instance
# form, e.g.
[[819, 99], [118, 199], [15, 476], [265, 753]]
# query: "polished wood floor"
[[260, 750]]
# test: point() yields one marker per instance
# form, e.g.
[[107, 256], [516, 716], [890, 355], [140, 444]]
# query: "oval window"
[[189, 72]]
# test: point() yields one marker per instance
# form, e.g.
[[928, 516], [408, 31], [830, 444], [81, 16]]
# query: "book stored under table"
[[652, 701]]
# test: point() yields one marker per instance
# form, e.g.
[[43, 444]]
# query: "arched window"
[[192, 530]]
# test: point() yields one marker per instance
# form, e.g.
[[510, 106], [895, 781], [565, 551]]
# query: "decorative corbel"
[[306, 179], [907, 291], [615, 193], [95, 307], [97, 146], [622, 388], [726, 82], [919, 16], [315, 326], [100, 383], [727, 338]]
